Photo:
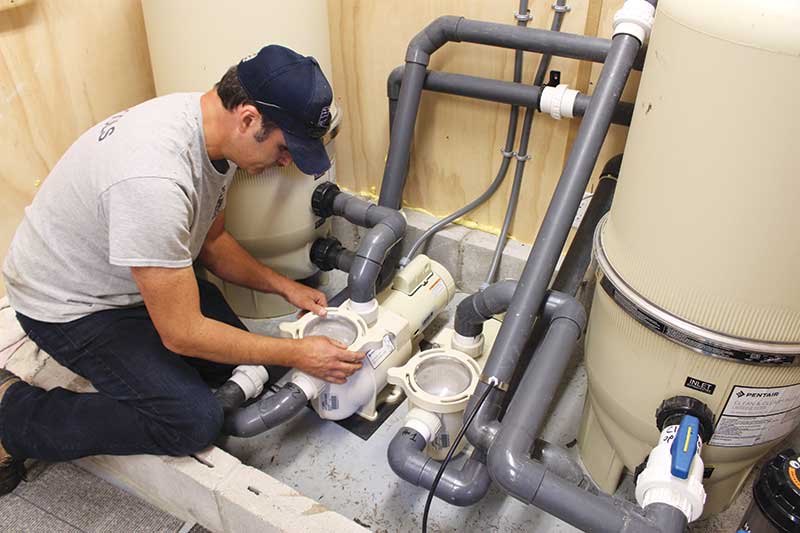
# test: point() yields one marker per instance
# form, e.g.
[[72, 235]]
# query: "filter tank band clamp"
[[492, 381], [682, 332]]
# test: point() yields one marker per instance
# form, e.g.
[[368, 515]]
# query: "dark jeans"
[[149, 401]]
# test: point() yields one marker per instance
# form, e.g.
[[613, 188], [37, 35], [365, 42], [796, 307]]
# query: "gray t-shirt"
[[138, 189]]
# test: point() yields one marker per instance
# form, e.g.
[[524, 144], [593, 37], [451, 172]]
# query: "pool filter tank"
[[269, 214], [699, 258]]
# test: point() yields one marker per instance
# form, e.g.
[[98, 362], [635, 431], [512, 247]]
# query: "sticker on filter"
[[756, 415]]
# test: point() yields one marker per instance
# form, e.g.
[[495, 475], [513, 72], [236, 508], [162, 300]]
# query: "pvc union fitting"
[[251, 379], [657, 484], [310, 386], [366, 310], [472, 346], [558, 101], [635, 18], [423, 422]]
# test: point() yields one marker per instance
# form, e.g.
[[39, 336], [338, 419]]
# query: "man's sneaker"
[[11, 470]]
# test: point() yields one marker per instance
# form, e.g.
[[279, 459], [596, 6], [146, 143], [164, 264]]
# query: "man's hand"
[[305, 298], [327, 359]]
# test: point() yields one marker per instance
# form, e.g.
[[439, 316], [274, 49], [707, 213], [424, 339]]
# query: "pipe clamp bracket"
[[523, 157], [561, 9], [508, 155], [527, 17], [493, 381]]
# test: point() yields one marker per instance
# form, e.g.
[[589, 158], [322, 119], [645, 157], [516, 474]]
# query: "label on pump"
[[755, 415], [377, 355]]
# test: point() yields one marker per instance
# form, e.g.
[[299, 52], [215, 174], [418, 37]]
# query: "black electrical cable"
[[449, 456]]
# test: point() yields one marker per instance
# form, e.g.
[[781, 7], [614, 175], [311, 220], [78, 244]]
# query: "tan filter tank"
[[699, 256], [192, 43]]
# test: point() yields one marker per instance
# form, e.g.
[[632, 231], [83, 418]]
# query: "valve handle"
[[684, 447]]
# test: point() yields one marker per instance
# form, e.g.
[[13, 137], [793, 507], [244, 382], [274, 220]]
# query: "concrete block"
[[477, 249], [183, 486], [346, 232], [443, 247], [250, 500]]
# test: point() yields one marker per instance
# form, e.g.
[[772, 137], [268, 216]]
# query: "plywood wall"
[[456, 150], [64, 66]]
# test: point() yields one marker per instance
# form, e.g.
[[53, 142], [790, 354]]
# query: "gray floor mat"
[[65, 498]]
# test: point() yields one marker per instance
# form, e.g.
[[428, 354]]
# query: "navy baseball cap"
[[291, 90]]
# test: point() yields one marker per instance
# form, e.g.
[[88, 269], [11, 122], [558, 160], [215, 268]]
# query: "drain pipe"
[[449, 28], [552, 235], [387, 227]]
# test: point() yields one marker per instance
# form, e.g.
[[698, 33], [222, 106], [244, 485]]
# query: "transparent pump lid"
[[334, 327], [442, 376]]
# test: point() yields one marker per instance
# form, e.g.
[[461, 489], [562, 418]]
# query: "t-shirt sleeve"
[[149, 222]]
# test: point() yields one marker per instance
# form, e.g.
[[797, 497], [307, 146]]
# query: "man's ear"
[[248, 115]]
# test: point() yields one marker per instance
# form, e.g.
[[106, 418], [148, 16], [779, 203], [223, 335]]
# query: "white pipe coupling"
[[423, 422], [366, 310], [635, 18], [310, 386], [656, 484], [251, 379], [559, 101], [472, 346]]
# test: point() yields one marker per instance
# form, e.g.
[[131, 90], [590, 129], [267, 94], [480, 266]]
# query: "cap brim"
[[308, 154]]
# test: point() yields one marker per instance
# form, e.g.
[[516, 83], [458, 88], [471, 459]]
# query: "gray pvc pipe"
[[386, 228], [505, 92], [528, 480], [449, 28], [576, 262], [394, 173], [458, 486], [552, 235], [267, 413], [557, 460], [623, 112], [479, 307]]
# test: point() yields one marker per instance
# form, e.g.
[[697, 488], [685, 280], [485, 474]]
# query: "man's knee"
[[194, 428]]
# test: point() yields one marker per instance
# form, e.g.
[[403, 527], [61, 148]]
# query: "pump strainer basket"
[[334, 327], [442, 376]]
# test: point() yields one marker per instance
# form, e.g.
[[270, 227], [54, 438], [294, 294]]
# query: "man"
[[100, 269]]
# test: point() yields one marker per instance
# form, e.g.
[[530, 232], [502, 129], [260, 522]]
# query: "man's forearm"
[[228, 260], [210, 339]]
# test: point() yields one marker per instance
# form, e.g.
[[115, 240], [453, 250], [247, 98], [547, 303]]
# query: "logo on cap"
[[324, 118]]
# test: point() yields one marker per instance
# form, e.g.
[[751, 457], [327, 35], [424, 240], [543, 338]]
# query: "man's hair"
[[232, 94]]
